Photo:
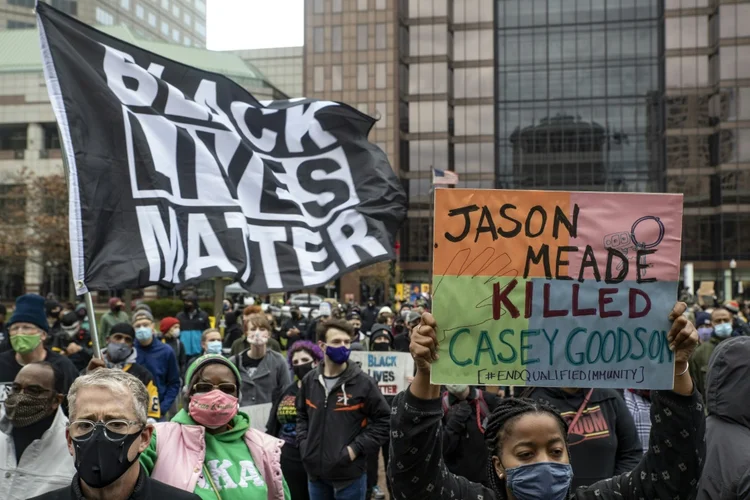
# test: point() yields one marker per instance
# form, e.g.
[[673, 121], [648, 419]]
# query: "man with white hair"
[[106, 435]]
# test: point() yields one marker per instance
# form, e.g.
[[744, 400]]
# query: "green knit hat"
[[208, 359]]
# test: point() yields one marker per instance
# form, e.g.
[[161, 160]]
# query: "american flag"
[[444, 177]]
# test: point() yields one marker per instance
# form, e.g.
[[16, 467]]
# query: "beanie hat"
[[381, 331], [143, 307], [142, 314], [50, 305], [385, 310], [208, 359], [123, 328], [70, 321], [167, 323], [30, 308]]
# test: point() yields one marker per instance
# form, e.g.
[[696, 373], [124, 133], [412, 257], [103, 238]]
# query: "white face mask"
[[256, 337], [176, 333], [456, 389]]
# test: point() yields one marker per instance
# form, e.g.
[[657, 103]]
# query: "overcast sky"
[[254, 24]]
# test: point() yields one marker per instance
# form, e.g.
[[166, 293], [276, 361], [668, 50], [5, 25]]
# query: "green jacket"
[[699, 363]]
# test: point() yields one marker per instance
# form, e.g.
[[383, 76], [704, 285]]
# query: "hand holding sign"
[[424, 345]]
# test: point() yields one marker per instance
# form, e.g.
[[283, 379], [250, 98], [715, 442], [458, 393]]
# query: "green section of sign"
[[471, 342]]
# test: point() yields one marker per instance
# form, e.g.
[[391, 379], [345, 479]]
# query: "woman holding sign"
[[527, 440]]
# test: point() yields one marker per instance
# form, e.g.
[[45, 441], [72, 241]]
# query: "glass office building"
[[579, 91]]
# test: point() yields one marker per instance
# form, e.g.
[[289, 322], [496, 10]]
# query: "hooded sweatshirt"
[[604, 442], [230, 462], [726, 474]]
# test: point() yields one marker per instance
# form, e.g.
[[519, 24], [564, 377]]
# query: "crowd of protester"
[[158, 414]]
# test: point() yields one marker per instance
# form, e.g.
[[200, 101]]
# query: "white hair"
[[117, 381]]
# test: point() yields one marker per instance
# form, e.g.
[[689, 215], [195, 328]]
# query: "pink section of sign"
[[608, 219]]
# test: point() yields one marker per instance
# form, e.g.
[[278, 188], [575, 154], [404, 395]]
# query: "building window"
[[429, 40], [380, 75], [473, 120], [473, 82], [125, 4], [428, 78], [319, 40], [187, 19], [380, 4], [319, 79], [318, 7], [472, 45], [200, 6], [380, 37], [686, 32], [187, 41], [428, 116], [337, 7], [139, 11], [176, 10], [200, 28], [426, 155], [361, 4], [687, 72], [104, 17], [175, 34], [165, 4], [336, 41], [19, 25], [152, 19], [362, 77], [165, 28], [337, 80], [362, 35], [23, 3], [734, 20], [381, 113], [362, 107]]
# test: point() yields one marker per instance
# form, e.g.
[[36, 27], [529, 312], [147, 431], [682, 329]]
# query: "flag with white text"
[[178, 175]]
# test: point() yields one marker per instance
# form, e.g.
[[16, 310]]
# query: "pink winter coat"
[[181, 450]]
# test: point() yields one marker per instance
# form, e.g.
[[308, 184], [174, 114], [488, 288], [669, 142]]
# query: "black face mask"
[[99, 461], [116, 309], [188, 307], [400, 329], [302, 370], [380, 346]]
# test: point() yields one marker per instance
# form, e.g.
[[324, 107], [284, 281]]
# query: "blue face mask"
[[144, 334], [213, 347], [540, 481], [338, 355], [723, 330]]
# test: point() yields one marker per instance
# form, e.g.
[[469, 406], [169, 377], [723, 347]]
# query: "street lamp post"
[[732, 271]]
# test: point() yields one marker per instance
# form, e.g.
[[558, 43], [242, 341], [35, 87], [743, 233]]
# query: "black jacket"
[[354, 414], [300, 324], [464, 449], [416, 469], [368, 315], [605, 441], [145, 489], [232, 331], [726, 474]]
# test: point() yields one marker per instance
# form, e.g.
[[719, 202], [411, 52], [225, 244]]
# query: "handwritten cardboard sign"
[[391, 370], [552, 288]]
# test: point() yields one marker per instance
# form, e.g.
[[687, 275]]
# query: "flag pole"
[[92, 325]]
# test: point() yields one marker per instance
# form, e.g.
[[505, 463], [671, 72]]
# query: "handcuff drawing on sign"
[[626, 242]]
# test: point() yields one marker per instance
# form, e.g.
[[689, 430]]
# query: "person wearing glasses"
[[33, 455], [209, 447], [106, 434]]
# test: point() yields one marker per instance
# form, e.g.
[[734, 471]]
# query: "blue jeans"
[[324, 490]]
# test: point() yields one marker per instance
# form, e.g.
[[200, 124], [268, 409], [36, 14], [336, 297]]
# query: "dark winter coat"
[[145, 489], [354, 414], [726, 474], [668, 471]]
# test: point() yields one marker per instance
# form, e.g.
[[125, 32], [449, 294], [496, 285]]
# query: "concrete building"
[[637, 95], [176, 21], [282, 65], [29, 140]]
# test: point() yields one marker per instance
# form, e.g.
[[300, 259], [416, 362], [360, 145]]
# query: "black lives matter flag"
[[178, 175]]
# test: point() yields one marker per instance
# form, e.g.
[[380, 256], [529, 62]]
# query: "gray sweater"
[[268, 380]]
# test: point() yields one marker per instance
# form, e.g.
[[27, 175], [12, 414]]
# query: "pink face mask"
[[213, 409]]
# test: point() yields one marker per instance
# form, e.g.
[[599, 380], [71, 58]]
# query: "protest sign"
[[391, 370], [258, 415], [552, 288]]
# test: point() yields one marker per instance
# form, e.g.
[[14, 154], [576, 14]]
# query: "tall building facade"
[[281, 65], [707, 54], [605, 95], [175, 21]]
